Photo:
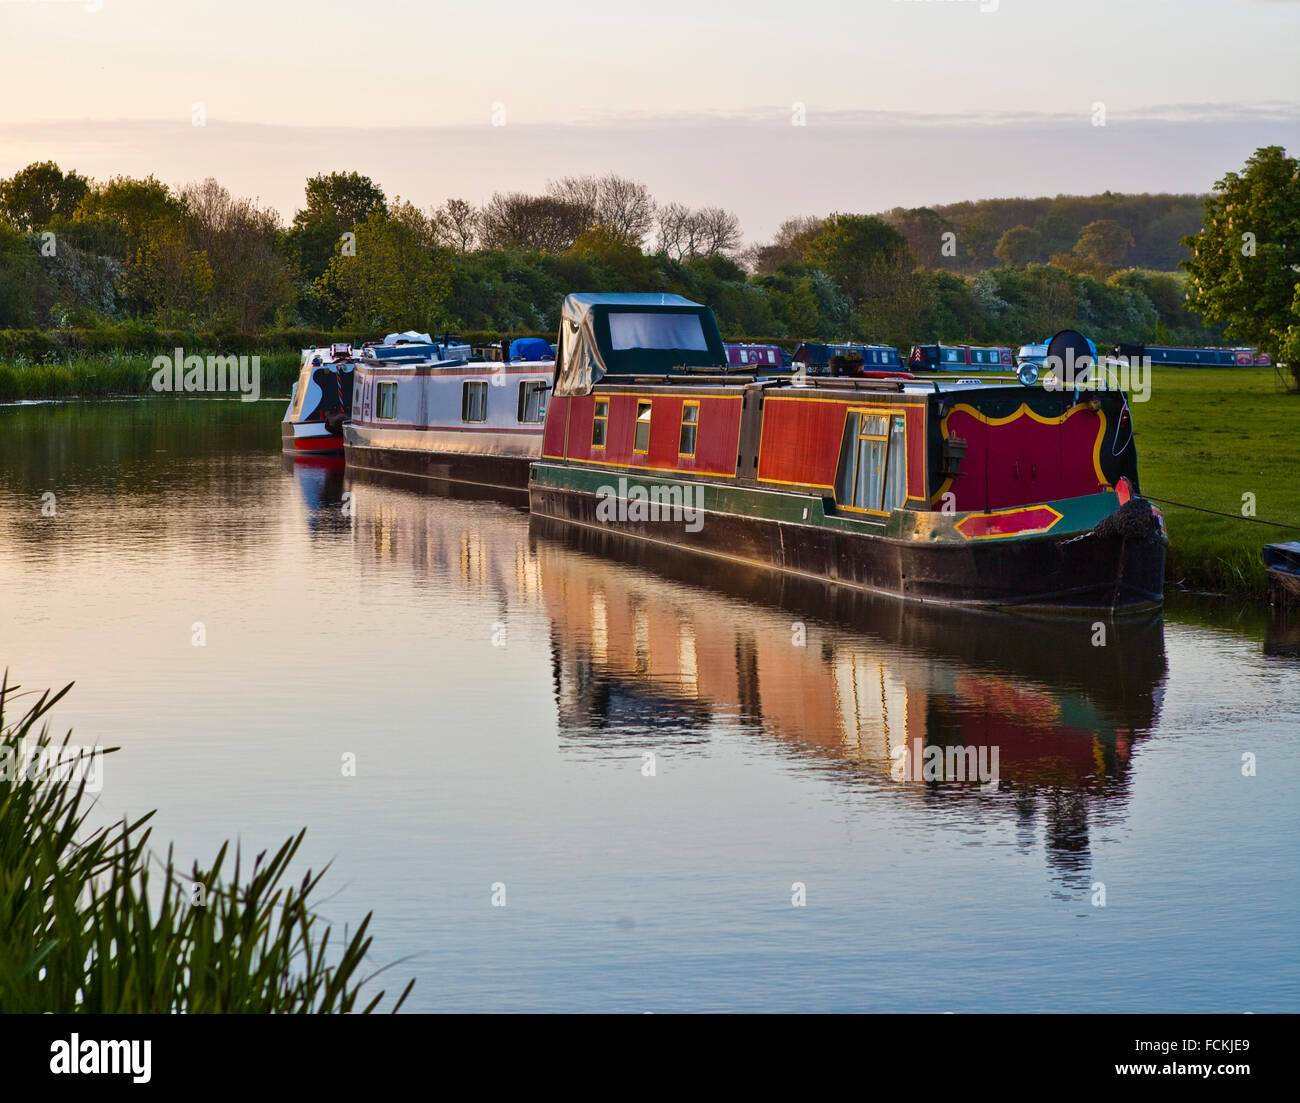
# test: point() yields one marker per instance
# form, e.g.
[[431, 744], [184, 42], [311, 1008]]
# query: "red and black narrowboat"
[[321, 401], [963, 358], [950, 492]]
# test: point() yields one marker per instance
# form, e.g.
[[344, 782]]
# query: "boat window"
[[690, 426], [600, 423], [386, 401], [473, 401], [532, 401], [952, 356], [872, 476], [641, 442]]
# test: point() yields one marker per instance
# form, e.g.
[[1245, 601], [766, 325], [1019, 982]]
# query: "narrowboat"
[[763, 357], [814, 358], [1176, 357], [435, 412], [319, 403], [949, 492], [963, 358]]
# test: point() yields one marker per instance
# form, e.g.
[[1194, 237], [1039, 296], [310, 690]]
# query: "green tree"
[[1103, 242], [18, 274], [1245, 262], [337, 203], [1019, 246], [860, 253], [167, 278], [113, 218], [35, 196], [398, 279]]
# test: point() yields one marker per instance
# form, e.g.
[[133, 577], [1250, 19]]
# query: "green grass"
[[101, 375], [91, 922], [1206, 437]]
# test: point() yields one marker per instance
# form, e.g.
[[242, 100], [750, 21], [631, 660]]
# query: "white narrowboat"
[[320, 402], [449, 418]]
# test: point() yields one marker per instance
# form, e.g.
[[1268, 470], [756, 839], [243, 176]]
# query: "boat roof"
[[633, 334]]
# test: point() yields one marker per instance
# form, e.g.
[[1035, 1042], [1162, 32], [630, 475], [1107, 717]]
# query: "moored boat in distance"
[[815, 358], [931, 490], [940, 358], [759, 357], [320, 402], [1179, 357], [434, 411]]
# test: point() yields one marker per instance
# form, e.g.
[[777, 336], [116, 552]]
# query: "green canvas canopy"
[[633, 335]]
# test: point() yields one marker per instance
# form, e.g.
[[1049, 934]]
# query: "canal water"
[[566, 775]]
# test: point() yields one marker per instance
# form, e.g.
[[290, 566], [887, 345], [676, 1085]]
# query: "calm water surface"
[[502, 686]]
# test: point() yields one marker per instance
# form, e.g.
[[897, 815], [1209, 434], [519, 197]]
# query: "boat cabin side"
[[939, 358], [869, 449]]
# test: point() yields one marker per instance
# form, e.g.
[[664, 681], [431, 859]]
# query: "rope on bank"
[[1220, 513]]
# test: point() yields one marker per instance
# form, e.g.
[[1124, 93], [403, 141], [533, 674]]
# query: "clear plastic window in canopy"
[[656, 331]]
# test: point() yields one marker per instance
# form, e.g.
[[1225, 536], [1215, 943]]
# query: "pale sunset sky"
[[905, 102]]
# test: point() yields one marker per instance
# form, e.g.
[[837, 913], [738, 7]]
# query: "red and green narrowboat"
[[948, 492]]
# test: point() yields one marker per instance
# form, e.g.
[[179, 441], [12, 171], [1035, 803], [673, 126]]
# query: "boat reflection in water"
[[322, 483], [972, 715]]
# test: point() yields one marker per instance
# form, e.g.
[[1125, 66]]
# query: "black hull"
[[1083, 573], [495, 472]]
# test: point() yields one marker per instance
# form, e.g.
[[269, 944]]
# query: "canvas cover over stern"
[[643, 334]]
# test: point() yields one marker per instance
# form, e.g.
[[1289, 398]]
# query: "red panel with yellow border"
[[1024, 457]]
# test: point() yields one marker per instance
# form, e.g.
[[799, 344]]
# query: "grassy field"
[[1205, 438]]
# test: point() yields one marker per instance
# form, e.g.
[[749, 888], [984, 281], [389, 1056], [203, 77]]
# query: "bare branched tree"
[[240, 241], [543, 223], [686, 233], [457, 223], [788, 244], [624, 206]]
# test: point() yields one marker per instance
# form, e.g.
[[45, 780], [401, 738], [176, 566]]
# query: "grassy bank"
[[1205, 438], [90, 921]]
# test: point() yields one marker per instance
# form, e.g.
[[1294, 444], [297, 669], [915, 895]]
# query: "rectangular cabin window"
[[600, 423], [532, 402], [953, 356], [641, 441], [386, 401], [690, 427], [473, 401], [872, 476]]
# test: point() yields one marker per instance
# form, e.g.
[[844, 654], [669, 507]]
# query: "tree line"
[[75, 252]]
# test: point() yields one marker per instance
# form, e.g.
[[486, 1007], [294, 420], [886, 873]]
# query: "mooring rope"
[[1220, 513]]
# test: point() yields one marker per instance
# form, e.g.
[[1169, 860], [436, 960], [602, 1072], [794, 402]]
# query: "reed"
[[91, 922], [103, 375]]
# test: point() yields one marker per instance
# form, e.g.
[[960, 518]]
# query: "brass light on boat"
[[954, 448]]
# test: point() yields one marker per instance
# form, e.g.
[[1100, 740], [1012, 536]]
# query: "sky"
[[769, 109]]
